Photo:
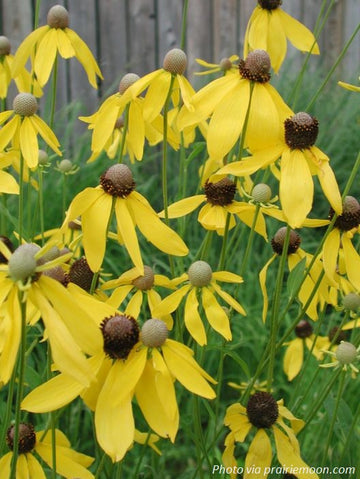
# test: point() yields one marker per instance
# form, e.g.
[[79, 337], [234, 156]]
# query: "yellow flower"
[[23, 128], [21, 280], [69, 463], [264, 414], [269, 27], [142, 287], [294, 354], [201, 280], [43, 44], [7, 181], [338, 251], [23, 81], [348, 86], [95, 206], [227, 100], [226, 66], [294, 256], [117, 117], [299, 161]]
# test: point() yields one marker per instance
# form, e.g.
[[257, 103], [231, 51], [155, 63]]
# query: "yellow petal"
[[8, 184], [26, 48], [193, 320], [136, 129], [29, 143], [288, 457], [215, 314], [46, 133], [171, 302], [276, 40], [330, 255], [259, 455], [262, 280], [85, 57], [299, 35], [126, 227], [184, 206], [154, 230], [156, 96], [8, 131], [184, 371], [134, 305], [154, 299], [352, 261], [296, 187], [35, 469], [11, 324], [227, 277], [45, 56], [164, 384], [293, 358], [64, 46], [110, 419], [152, 406], [229, 299], [329, 186], [95, 219], [105, 121]]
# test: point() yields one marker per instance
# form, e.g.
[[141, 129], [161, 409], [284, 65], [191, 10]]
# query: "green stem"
[[141, 457], [64, 194], [7, 417], [125, 130], [274, 322], [183, 24], [250, 241], [21, 199], [41, 203], [334, 416], [20, 389], [51, 418], [53, 94]]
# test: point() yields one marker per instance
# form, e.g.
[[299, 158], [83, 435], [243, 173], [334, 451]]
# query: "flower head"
[[346, 355], [201, 282], [226, 65], [265, 415], [269, 27], [68, 461], [43, 44], [24, 127], [95, 206]]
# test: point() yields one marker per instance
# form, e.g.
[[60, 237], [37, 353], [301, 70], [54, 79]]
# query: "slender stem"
[[141, 456], [20, 389], [40, 172], [21, 199], [334, 416], [125, 131], [7, 417], [183, 24], [53, 94], [165, 150], [64, 194], [36, 14], [250, 240]]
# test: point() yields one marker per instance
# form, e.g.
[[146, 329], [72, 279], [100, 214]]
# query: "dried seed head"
[[118, 181], [261, 193], [22, 262], [145, 282], [65, 165], [43, 158], [350, 217], [256, 67], [120, 333], [225, 64], [220, 193], [58, 17], [51, 254], [278, 240], [200, 274], [337, 333], [8, 243], [81, 274], [58, 274], [262, 410], [346, 353], [5, 46], [25, 104], [175, 61], [303, 329], [27, 438], [269, 4], [126, 81], [351, 301], [154, 333], [301, 131]]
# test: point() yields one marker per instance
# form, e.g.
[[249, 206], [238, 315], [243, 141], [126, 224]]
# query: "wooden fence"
[[134, 35]]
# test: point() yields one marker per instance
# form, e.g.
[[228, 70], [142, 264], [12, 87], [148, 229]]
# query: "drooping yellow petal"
[[94, 223], [184, 206], [126, 227], [246, 213], [26, 48], [12, 326], [8, 184], [257, 33], [238, 421], [136, 129], [182, 369], [171, 302], [152, 407], [330, 255], [227, 277], [215, 217], [293, 358], [110, 418], [164, 384], [4, 115], [288, 457], [187, 91], [258, 455], [329, 186], [64, 46], [118, 296], [227, 120], [262, 280], [7, 132], [276, 40], [45, 56], [29, 143], [154, 230], [81, 203], [105, 121], [46, 133], [156, 95], [296, 187], [352, 261], [299, 35], [192, 318], [154, 299], [229, 299], [215, 314], [35, 469], [85, 57]]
